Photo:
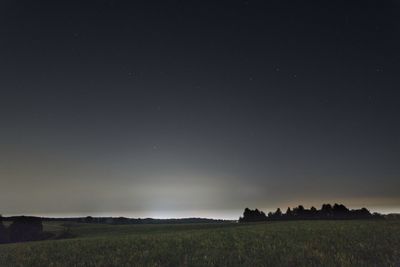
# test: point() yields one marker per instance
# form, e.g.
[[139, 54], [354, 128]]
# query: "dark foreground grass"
[[295, 243]]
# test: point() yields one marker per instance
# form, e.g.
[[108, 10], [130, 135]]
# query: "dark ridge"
[[124, 220]]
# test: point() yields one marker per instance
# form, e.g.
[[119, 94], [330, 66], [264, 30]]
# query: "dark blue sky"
[[198, 108]]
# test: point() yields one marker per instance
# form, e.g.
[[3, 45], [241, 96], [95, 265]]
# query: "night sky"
[[198, 108]]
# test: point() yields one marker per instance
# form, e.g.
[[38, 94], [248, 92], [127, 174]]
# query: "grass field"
[[292, 243]]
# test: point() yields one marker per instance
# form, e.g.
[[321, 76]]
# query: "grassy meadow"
[[290, 243]]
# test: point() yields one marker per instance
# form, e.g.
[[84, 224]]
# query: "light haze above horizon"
[[198, 108]]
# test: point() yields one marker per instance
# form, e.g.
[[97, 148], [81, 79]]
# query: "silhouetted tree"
[[278, 212], [313, 212], [299, 211], [340, 208], [276, 215], [362, 213], [326, 210], [252, 216], [288, 213], [326, 207]]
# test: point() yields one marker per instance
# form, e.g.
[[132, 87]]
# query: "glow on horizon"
[[222, 214]]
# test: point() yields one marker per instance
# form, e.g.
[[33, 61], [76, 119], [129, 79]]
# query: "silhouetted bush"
[[89, 219], [25, 229]]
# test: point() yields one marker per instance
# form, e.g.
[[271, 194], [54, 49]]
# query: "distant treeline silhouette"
[[124, 220], [327, 211]]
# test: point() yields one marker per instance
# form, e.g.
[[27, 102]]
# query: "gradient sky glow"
[[198, 108]]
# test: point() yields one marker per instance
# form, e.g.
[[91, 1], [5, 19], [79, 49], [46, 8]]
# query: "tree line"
[[327, 211]]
